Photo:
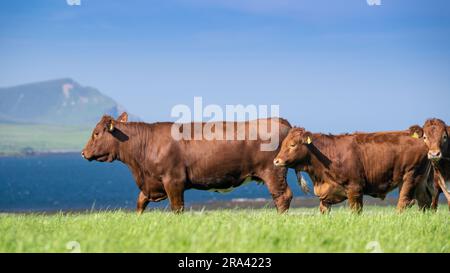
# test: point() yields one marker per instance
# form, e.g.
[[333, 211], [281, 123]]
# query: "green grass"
[[302, 230], [14, 138]]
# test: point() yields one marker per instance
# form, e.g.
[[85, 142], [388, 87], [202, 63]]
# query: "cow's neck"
[[132, 150], [317, 164], [133, 147]]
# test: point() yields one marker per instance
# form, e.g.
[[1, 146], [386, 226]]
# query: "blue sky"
[[332, 66]]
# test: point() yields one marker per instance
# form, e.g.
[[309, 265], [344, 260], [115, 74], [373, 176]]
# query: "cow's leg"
[[142, 203], [444, 190], [325, 208], [447, 196], [406, 198], [424, 203], [175, 192], [437, 191], [355, 200], [435, 202], [278, 188], [424, 194]]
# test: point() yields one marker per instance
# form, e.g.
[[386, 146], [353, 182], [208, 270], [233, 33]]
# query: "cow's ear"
[[307, 138], [123, 117], [416, 131], [110, 125]]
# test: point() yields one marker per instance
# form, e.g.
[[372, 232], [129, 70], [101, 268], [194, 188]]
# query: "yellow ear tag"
[[309, 140], [416, 135], [111, 127]]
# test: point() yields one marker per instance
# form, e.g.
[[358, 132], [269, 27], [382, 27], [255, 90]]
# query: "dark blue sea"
[[68, 182]]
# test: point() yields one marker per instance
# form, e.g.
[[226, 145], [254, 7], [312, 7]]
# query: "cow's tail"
[[302, 182]]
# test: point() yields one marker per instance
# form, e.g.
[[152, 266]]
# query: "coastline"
[[45, 153]]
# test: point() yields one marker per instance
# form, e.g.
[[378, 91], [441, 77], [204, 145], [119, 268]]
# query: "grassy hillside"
[[62, 102], [23, 138], [63, 108], [302, 230]]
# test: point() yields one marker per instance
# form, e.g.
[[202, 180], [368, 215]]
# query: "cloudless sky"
[[332, 66]]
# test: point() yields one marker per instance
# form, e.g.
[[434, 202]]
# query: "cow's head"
[[103, 144], [435, 134], [294, 148]]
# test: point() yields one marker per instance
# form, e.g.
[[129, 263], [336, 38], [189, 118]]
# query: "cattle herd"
[[342, 167]]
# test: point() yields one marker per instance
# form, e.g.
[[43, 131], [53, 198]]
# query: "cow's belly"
[[378, 184], [217, 174], [380, 190], [220, 184], [231, 187], [330, 192]]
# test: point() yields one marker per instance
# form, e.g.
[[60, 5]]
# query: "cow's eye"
[[292, 145], [96, 134]]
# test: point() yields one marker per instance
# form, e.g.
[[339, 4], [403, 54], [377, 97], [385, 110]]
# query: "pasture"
[[378, 229]]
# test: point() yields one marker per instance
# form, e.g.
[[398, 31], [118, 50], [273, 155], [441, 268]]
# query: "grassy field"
[[302, 230], [15, 139]]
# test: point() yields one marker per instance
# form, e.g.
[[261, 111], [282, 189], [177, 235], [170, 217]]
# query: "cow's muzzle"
[[434, 155], [279, 162], [85, 156]]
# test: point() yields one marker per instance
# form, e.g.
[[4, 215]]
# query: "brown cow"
[[351, 165], [164, 167], [435, 133]]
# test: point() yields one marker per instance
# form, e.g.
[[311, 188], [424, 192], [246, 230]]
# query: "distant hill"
[[51, 116], [56, 102]]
